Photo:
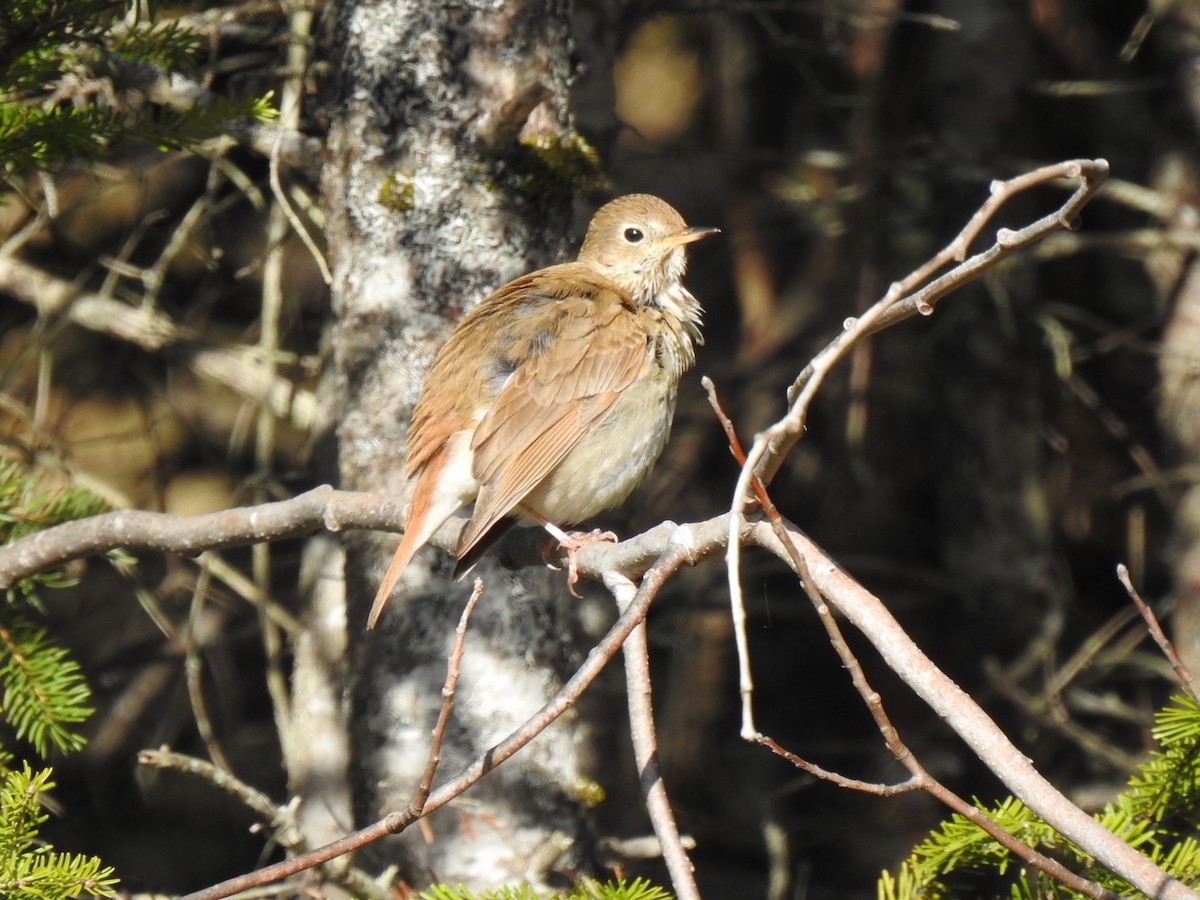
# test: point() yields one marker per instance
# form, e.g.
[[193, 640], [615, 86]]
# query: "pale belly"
[[612, 458]]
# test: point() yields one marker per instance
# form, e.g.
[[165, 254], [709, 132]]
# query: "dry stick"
[[193, 672], [299, 34], [321, 507], [279, 818], [270, 316], [771, 446], [416, 808], [668, 547], [645, 747], [1160, 638], [871, 617], [1090, 175], [679, 551], [920, 778]]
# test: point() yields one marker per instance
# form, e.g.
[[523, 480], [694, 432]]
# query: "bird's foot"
[[571, 543]]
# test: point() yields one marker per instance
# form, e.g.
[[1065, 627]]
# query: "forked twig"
[[770, 447], [678, 552], [281, 819], [391, 824], [920, 778]]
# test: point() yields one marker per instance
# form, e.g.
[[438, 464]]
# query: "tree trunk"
[[431, 204]]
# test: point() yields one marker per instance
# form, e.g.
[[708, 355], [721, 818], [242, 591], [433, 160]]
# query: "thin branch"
[[771, 446], [1184, 674], [680, 546], [899, 304], [920, 778], [871, 617], [645, 749], [910, 784], [736, 602], [416, 807], [299, 32], [193, 672], [270, 316], [321, 507], [280, 818]]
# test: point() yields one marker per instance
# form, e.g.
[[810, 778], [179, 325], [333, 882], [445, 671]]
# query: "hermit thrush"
[[553, 398]]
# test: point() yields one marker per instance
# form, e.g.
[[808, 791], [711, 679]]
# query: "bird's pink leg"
[[571, 543]]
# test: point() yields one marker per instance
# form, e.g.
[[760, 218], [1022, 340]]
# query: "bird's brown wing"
[[571, 356]]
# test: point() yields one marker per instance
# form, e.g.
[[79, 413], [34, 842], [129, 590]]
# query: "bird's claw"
[[576, 541]]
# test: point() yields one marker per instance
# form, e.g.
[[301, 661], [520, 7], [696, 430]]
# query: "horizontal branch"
[[132, 529], [671, 546]]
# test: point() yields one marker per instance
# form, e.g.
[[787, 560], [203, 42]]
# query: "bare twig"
[[737, 604], [193, 671], [280, 818], [907, 786], [871, 617], [899, 304], [770, 447], [278, 219], [321, 507], [679, 548], [299, 32], [416, 807], [919, 779], [645, 748], [1184, 674]]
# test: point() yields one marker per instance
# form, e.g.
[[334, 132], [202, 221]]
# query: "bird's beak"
[[689, 235]]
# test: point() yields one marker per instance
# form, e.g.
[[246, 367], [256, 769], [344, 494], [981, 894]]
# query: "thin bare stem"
[[280, 818], [678, 550], [193, 669], [769, 448], [920, 778], [1185, 675], [417, 806], [871, 617], [645, 749], [321, 507]]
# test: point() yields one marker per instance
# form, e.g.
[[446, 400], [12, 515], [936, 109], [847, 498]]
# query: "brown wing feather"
[[586, 349]]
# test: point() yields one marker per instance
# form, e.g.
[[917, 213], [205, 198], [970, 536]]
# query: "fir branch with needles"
[[1156, 814]]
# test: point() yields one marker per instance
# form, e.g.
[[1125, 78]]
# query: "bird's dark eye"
[[634, 235]]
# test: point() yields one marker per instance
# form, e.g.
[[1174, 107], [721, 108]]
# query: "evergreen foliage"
[[1157, 813], [42, 696], [24, 509], [42, 691], [74, 80], [31, 870]]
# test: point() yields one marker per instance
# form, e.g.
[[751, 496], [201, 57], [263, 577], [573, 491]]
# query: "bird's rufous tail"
[[404, 553], [422, 521], [435, 499]]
